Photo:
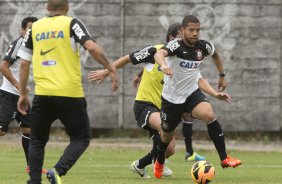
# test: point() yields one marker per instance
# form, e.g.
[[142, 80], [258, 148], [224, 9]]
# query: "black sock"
[[161, 149], [187, 133], [25, 144], [146, 160], [154, 151], [216, 135]]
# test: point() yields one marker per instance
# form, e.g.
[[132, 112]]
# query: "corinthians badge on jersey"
[[199, 55]]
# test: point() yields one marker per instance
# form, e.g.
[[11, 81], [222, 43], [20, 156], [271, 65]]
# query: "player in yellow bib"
[[148, 98], [52, 47]]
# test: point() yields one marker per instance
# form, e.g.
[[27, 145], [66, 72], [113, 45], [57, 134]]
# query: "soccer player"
[[148, 98], [9, 90], [51, 45], [181, 92], [187, 123]]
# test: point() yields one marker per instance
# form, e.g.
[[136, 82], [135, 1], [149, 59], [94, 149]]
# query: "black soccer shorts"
[[142, 111], [171, 114], [9, 111]]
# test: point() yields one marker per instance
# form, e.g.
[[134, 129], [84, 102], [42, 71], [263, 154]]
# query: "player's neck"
[[188, 43], [57, 13]]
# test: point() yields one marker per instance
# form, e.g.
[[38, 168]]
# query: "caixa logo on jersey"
[[190, 64], [49, 35], [49, 63]]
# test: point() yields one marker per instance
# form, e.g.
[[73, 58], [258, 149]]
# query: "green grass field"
[[106, 165]]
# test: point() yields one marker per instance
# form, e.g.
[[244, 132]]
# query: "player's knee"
[[167, 127], [85, 141], [187, 117], [209, 117]]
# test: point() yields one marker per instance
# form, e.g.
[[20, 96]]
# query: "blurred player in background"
[[148, 102], [51, 45], [181, 92], [9, 90]]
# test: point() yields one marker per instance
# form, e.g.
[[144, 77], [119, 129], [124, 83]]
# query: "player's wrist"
[[24, 92], [222, 74]]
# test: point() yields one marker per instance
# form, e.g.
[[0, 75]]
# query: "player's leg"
[[169, 152], [139, 166], [155, 123], [40, 121], [25, 141], [162, 145], [202, 110], [148, 118], [73, 115], [170, 148], [187, 123], [170, 117], [7, 110], [24, 122]]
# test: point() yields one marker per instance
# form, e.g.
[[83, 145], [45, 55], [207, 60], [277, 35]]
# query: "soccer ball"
[[202, 172]]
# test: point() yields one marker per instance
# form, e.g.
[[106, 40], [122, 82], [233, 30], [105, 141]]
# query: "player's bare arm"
[[205, 86], [100, 75], [160, 59], [99, 55], [23, 77], [222, 83], [137, 79], [5, 70]]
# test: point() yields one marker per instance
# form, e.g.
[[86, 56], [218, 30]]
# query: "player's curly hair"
[[173, 30]]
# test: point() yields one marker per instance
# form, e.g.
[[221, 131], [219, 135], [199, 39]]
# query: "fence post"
[[121, 73]]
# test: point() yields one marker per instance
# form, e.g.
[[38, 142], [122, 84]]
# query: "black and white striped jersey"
[[14, 60], [184, 62]]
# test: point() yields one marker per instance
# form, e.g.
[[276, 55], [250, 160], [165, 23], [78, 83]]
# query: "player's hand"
[[166, 70], [98, 76], [136, 81], [23, 104], [224, 97], [114, 78], [222, 84]]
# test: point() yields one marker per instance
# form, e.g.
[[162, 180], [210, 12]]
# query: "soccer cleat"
[[142, 172], [43, 171], [194, 157], [53, 176], [158, 169], [167, 171], [230, 162]]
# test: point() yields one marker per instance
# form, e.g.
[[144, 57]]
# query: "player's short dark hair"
[[189, 19], [26, 20], [57, 4], [173, 30]]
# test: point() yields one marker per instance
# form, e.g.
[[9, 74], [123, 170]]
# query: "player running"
[[148, 102], [181, 91]]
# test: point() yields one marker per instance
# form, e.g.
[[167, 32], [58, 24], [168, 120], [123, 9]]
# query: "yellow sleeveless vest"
[[56, 59], [150, 88]]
